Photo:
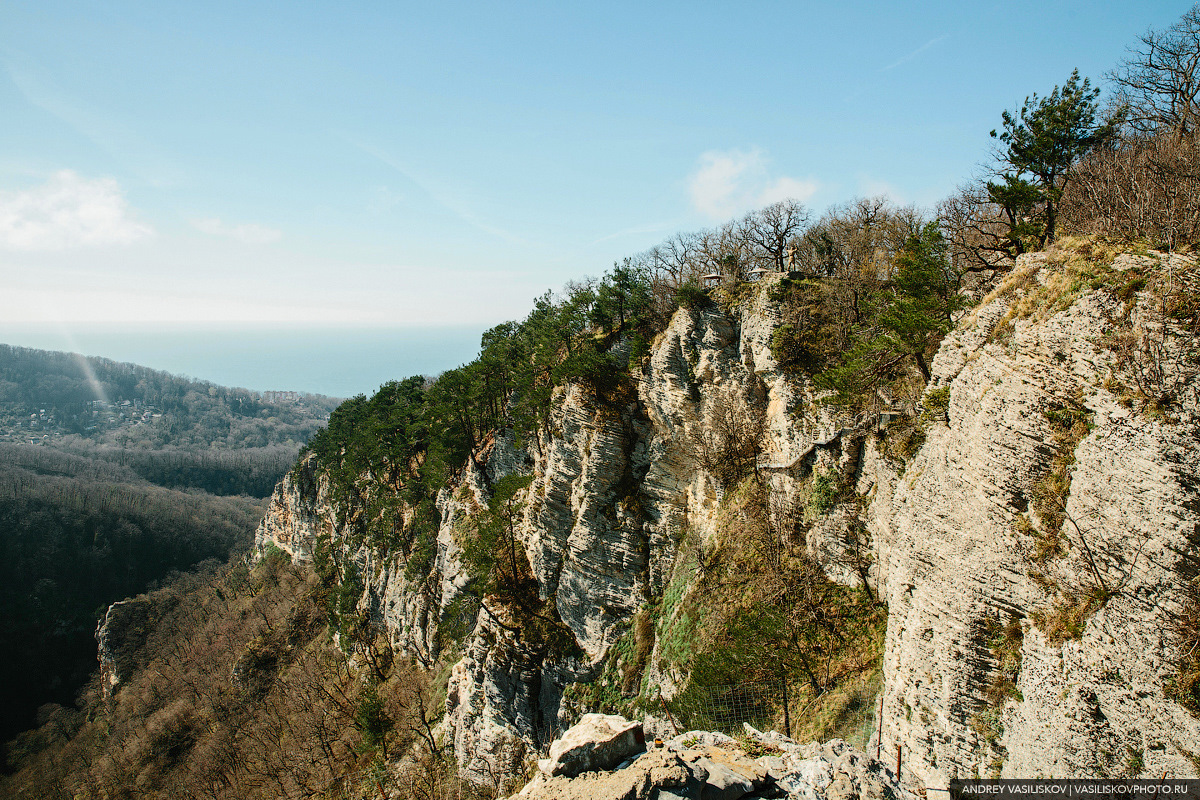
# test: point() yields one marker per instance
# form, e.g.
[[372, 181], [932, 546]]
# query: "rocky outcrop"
[[300, 512], [120, 636], [614, 487], [964, 553], [960, 551], [712, 766]]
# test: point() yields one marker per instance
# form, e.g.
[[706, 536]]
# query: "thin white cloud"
[[247, 232], [914, 53], [120, 138], [441, 196], [68, 211], [731, 181], [653, 227], [786, 188]]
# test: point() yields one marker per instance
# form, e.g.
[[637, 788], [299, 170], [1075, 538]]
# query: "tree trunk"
[[921, 365]]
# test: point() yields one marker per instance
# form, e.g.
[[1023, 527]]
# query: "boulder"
[[597, 742], [726, 776], [658, 774]]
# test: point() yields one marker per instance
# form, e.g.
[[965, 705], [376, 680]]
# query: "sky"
[[401, 164]]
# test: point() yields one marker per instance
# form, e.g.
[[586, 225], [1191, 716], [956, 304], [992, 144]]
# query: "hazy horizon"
[[338, 361], [448, 163]]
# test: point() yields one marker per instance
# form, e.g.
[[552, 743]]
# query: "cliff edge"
[[1035, 550]]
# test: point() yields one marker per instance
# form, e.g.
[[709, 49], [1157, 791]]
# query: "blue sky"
[[401, 164]]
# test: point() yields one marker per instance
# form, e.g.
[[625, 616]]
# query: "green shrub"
[[937, 401], [691, 297], [1135, 764], [901, 440], [824, 494], [1004, 642], [798, 349], [372, 720], [272, 553]]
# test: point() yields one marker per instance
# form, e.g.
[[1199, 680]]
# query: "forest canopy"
[[76, 535], [136, 474]]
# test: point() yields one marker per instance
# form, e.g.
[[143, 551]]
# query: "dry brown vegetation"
[[1057, 536], [770, 614], [1185, 686], [1154, 336], [1145, 188], [728, 446], [242, 695]]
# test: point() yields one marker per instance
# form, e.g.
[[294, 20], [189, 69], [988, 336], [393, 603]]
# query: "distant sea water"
[[339, 362]]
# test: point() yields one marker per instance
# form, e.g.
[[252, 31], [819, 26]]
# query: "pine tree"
[[927, 297], [1044, 139]]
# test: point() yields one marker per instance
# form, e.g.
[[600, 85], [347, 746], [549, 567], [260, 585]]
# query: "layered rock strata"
[[959, 548], [964, 553]]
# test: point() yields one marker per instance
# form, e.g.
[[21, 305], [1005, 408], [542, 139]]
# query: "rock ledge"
[[711, 766]]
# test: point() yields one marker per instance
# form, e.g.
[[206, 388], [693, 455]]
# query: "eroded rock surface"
[[615, 488], [711, 766], [959, 537]]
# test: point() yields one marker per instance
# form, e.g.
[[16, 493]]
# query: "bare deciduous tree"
[[1147, 187], [978, 236], [676, 258], [855, 247], [773, 231], [1159, 81], [857, 240], [725, 250], [729, 445]]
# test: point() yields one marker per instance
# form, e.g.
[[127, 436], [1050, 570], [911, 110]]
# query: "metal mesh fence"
[[850, 712], [726, 708]]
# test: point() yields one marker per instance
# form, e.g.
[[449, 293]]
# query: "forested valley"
[[113, 479]]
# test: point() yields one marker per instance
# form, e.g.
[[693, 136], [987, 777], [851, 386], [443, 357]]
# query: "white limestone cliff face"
[[615, 488], [587, 547], [705, 362], [955, 554], [299, 513], [302, 511], [586, 540], [613, 491]]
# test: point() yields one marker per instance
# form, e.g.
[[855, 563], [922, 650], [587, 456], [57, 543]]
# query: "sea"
[[333, 361]]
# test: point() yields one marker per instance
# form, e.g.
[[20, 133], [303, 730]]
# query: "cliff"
[[1056, 502], [1034, 552]]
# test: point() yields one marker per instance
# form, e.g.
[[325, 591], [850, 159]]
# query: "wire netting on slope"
[[849, 711], [726, 708]]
